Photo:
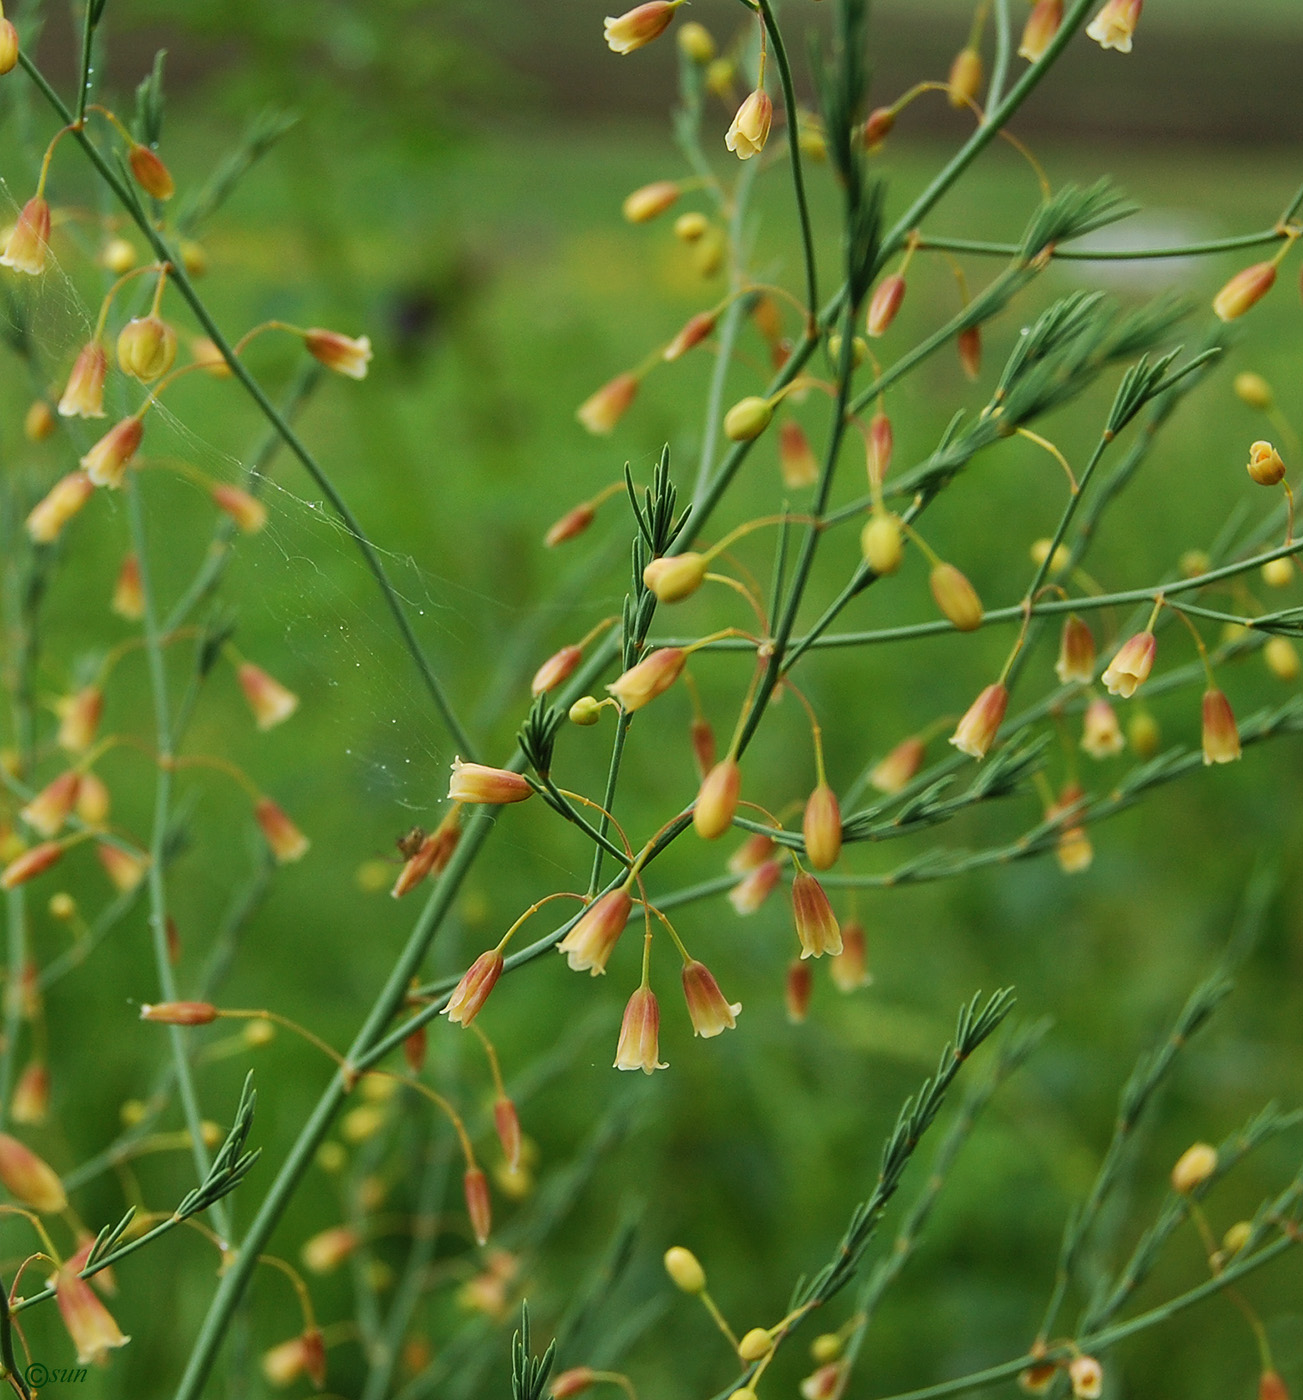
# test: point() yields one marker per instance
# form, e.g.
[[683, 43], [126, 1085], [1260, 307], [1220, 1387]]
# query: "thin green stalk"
[[794, 151], [181, 281], [1068, 254], [1003, 51], [84, 77], [158, 844], [608, 798], [729, 330], [1048, 607], [987, 132]]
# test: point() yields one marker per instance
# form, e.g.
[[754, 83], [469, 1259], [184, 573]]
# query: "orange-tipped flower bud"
[[650, 201], [822, 828], [1253, 389], [106, 462], [415, 1044], [604, 409], [816, 924], [558, 668], [1272, 1387], [751, 854], [703, 744], [51, 807], [850, 968], [1085, 1373], [881, 445], [1076, 652], [878, 127], [29, 865], [506, 1122], [287, 842], [690, 227], [146, 347], [798, 986], [31, 1098], [1266, 465], [825, 1383], [8, 47], [93, 800], [270, 701], [29, 239], [676, 576], [750, 129], [247, 511], [150, 173], [589, 943], [694, 331], [976, 732], [123, 868], [894, 772], [712, 815], [1113, 27], [696, 43], [79, 718], [476, 782], [796, 457], [748, 895], [1221, 738], [473, 990], [90, 1324], [325, 1251], [631, 30], [573, 522], [1282, 659], [1194, 1166], [83, 397], [638, 1046], [29, 1179], [708, 1008], [128, 595], [969, 345], [956, 597], [1042, 25], [1131, 665], [284, 1363], [578, 1378], [1101, 734], [64, 499], [885, 303], [882, 544], [685, 1270], [652, 676], [748, 418], [1244, 290], [965, 78], [179, 1013], [38, 421], [342, 353]]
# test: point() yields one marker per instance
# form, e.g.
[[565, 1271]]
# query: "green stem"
[[84, 78], [794, 150], [1003, 50], [1185, 250], [181, 281], [158, 844], [608, 798]]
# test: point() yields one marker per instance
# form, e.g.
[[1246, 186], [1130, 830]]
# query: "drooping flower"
[[816, 924], [1131, 665], [638, 1046], [270, 701], [473, 990], [708, 1008], [106, 462], [494, 787], [976, 731], [750, 129], [589, 943], [630, 31], [1114, 25], [342, 353], [89, 1322], [28, 242], [83, 397], [63, 500]]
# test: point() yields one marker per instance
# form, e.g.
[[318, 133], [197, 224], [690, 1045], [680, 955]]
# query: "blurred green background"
[[453, 189]]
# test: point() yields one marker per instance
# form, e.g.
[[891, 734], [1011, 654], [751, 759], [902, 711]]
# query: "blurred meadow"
[[447, 193]]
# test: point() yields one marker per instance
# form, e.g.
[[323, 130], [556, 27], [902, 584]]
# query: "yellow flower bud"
[[684, 1270], [747, 419]]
